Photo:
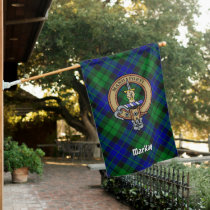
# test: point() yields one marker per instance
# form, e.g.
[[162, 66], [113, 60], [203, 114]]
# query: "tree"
[[77, 30]]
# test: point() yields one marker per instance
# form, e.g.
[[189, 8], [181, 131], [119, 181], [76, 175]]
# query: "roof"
[[23, 22]]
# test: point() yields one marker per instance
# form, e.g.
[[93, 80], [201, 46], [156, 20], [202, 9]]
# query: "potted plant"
[[19, 159]]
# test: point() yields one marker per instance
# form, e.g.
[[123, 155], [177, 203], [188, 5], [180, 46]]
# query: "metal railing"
[[81, 150], [160, 182]]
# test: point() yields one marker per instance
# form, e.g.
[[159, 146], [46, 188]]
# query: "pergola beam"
[[24, 21], [1, 103]]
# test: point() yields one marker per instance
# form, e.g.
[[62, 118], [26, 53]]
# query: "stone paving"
[[63, 186]]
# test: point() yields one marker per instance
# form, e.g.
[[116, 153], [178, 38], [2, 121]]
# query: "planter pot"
[[20, 175]]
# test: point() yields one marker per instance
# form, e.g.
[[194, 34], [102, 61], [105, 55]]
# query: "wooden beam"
[[1, 102], [189, 140], [209, 142], [192, 152], [24, 21]]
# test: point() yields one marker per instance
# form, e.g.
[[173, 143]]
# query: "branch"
[[51, 98], [39, 104]]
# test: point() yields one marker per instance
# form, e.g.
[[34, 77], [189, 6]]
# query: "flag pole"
[[76, 66]]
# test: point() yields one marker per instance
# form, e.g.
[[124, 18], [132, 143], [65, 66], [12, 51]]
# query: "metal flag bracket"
[[7, 85]]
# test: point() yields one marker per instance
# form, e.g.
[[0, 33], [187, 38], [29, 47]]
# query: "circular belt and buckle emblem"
[[135, 108]]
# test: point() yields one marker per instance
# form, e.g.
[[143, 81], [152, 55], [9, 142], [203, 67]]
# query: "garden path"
[[63, 185]]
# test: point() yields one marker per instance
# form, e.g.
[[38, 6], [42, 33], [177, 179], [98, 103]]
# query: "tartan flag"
[[128, 101]]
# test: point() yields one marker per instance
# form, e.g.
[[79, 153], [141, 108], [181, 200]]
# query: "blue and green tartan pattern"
[[117, 137]]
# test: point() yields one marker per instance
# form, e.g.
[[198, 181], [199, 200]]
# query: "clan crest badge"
[[136, 108]]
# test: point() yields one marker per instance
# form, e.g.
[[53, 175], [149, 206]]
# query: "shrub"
[[16, 156], [199, 183]]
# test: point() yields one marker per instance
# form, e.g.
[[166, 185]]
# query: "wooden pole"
[[51, 73], [1, 102], [160, 44], [180, 142]]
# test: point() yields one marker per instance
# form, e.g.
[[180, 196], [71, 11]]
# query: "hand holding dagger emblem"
[[132, 108]]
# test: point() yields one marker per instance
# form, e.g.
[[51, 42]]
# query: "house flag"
[[128, 101]]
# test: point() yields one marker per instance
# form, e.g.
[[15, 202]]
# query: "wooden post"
[[180, 142], [188, 189], [1, 101], [209, 142]]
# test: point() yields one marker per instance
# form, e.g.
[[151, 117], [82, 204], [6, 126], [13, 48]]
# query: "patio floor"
[[64, 185]]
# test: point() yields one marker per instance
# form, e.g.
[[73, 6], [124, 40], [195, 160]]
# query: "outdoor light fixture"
[[17, 5], [11, 58], [13, 39]]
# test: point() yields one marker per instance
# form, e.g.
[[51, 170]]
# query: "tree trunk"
[[92, 134]]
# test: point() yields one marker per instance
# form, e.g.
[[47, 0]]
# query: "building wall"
[[33, 134]]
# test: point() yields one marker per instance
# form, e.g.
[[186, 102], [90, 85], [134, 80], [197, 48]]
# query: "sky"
[[203, 23], [204, 20]]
